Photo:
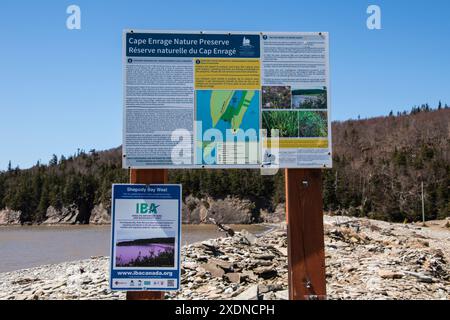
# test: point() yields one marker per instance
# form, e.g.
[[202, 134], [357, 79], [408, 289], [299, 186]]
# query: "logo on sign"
[[145, 208], [246, 49]]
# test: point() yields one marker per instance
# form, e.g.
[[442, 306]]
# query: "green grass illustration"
[[285, 121], [313, 124]]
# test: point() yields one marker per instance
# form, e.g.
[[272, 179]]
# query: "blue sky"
[[61, 89]]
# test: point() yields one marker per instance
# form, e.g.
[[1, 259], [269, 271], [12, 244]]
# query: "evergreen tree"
[[53, 161]]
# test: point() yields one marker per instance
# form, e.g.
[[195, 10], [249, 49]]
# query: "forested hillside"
[[379, 165]]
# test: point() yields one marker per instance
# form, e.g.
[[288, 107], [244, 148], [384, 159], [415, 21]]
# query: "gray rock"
[[228, 291], [261, 263], [225, 265], [100, 215], [230, 210], [283, 251], [213, 269], [352, 269], [269, 288], [233, 277], [282, 295], [266, 272], [249, 237], [250, 294], [209, 245], [250, 275], [190, 265], [9, 217], [387, 274], [67, 215], [265, 256]]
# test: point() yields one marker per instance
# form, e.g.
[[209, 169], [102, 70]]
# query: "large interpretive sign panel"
[[226, 100]]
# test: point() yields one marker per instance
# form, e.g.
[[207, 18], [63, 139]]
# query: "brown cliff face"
[[229, 210]]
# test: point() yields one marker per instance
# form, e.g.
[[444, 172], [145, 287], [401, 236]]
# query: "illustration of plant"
[[285, 121], [313, 124]]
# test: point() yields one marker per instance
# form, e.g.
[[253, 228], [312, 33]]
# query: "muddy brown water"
[[32, 246]]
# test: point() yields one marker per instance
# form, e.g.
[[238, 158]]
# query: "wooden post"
[[147, 176], [306, 249]]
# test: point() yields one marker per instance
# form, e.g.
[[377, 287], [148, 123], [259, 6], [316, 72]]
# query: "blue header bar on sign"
[[142, 191], [192, 45]]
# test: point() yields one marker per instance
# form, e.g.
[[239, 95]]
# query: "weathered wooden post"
[[304, 215], [147, 176]]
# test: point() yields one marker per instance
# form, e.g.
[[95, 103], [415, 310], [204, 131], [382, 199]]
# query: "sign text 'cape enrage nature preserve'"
[[226, 100]]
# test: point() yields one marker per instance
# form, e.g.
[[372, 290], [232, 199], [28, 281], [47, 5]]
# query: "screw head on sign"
[[305, 183], [308, 284]]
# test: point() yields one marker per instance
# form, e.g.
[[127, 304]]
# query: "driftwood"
[[222, 227], [347, 223], [421, 277]]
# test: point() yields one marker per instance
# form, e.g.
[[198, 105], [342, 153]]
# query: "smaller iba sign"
[[146, 232]]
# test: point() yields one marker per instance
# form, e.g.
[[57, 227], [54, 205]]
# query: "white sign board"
[[145, 238], [226, 100]]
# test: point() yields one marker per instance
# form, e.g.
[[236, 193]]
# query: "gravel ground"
[[365, 259]]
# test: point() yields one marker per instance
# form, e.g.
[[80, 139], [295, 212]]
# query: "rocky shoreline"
[[99, 215], [229, 210], [365, 259]]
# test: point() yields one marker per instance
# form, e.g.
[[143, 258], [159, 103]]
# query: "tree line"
[[378, 167]]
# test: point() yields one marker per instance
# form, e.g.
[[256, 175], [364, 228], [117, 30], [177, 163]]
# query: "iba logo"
[[145, 208]]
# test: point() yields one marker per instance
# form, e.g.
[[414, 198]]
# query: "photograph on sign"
[[295, 84], [215, 100], [145, 242]]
